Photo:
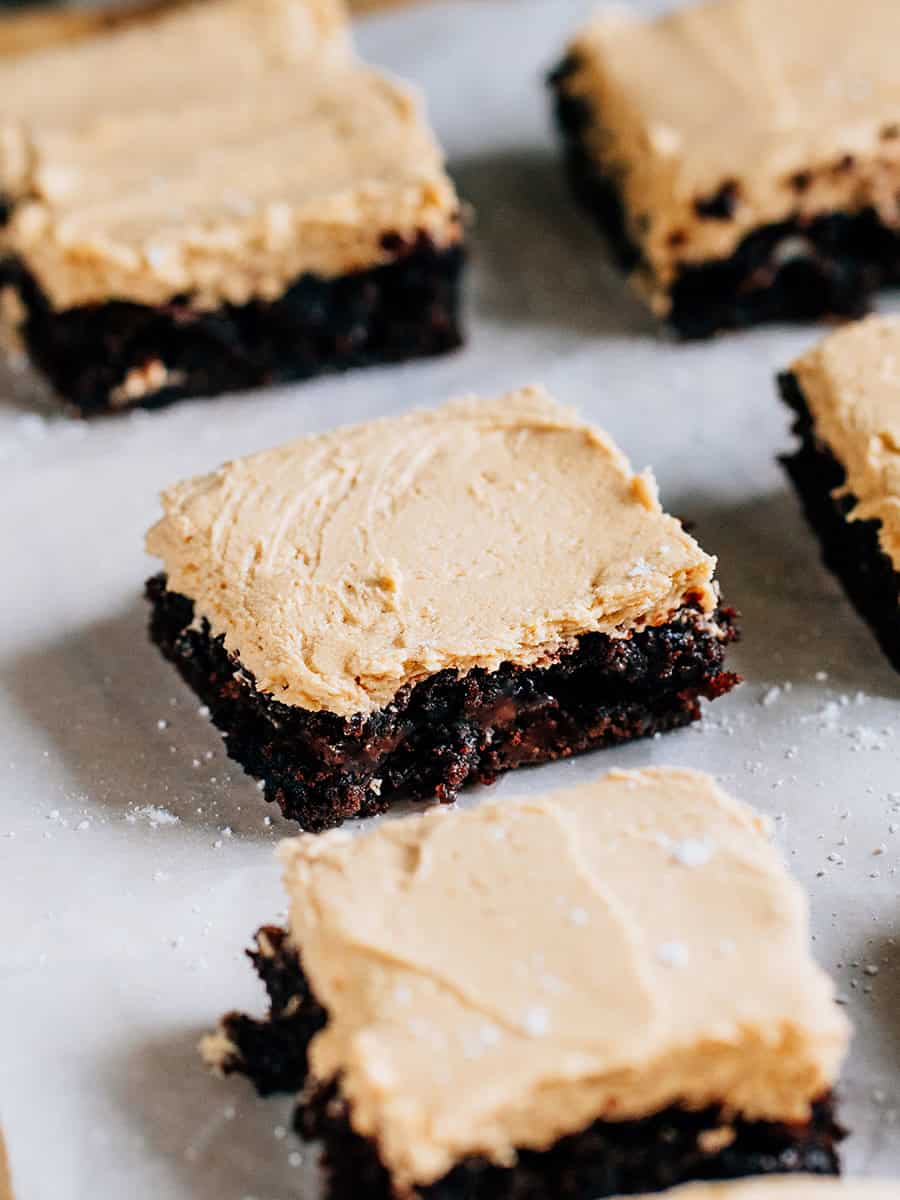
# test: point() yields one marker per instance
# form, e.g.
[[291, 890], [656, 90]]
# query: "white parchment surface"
[[136, 860]]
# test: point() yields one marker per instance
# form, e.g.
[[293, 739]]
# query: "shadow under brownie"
[[846, 400], [292, 217], [505, 593], [760, 219], [684, 845]]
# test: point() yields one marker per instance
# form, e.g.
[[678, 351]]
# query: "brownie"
[[450, 730], [407, 673], [115, 355], [850, 393], [271, 211], [608, 1158], [714, 228], [411, 998]]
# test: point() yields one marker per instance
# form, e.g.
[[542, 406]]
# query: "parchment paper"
[[136, 861]]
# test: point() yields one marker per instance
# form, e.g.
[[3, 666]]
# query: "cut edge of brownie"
[[608, 1158], [800, 269], [448, 730], [120, 355], [850, 549]]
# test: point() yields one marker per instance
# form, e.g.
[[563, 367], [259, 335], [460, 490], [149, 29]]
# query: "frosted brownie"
[[186, 225], [744, 170], [845, 393], [392, 610], [602, 990]]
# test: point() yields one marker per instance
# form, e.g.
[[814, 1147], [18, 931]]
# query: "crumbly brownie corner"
[[447, 731], [606, 1159], [850, 549], [272, 1052]]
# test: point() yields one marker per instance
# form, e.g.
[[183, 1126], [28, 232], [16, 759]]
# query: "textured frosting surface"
[[851, 382], [345, 565], [737, 92], [501, 977], [785, 1188], [225, 174]]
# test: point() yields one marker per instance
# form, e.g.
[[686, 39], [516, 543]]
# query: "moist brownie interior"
[[449, 730], [357, 996], [350, 661]]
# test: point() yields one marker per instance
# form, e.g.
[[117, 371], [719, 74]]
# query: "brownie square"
[[743, 170], [601, 991], [392, 610], [188, 224], [845, 394]]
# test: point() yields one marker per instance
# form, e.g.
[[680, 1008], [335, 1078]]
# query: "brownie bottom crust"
[[106, 357], [606, 1159], [448, 730], [850, 549], [793, 270]]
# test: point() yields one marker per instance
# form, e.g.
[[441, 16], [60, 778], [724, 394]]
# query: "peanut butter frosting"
[[343, 566], [499, 978], [785, 1187], [851, 383], [793, 107], [223, 175], [6, 1192]]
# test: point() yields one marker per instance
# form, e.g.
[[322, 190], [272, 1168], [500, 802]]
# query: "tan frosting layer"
[[851, 381], [501, 977], [224, 174], [792, 1187], [739, 92], [345, 565], [6, 1192], [43, 26]]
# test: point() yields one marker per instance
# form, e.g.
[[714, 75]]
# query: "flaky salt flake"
[[537, 1020], [692, 852], [673, 954], [640, 569], [154, 814]]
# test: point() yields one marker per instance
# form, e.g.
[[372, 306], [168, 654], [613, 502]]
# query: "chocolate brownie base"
[[447, 730], [794, 270], [105, 357], [851, 549], [606, 1159]]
